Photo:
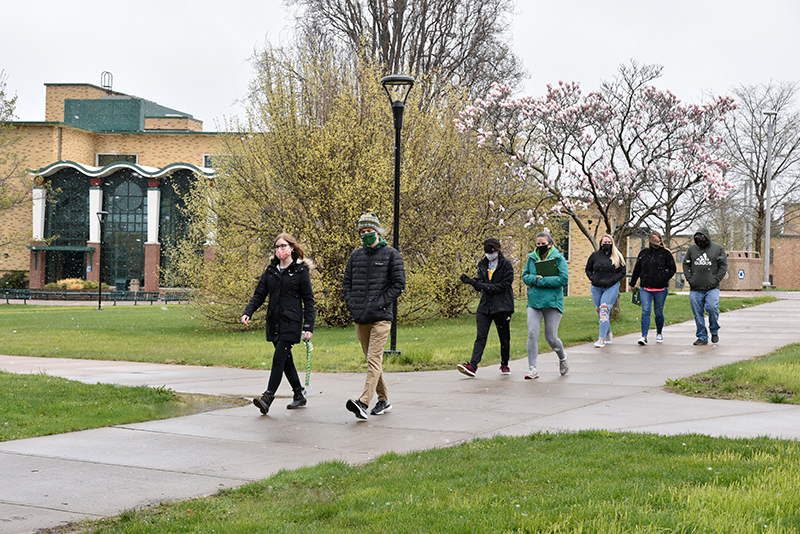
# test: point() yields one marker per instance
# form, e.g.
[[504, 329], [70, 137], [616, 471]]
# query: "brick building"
[[786, 250], [580, 248], [99, 150]]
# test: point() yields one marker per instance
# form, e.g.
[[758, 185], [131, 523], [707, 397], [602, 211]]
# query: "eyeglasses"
[[283, 245]]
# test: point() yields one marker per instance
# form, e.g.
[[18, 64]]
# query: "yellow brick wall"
[[159, 150], [56, 94], [785, 251], [177, 123], [580, 250], [792, 218], [78, 146], [37, 144]]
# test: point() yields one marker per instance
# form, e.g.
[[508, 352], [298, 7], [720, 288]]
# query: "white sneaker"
[[532, 373], [563, 367], [600, 343], [609, 338], [642, 341], [659, 338]]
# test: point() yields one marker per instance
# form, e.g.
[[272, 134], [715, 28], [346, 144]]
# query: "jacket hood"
[[305, 261], [554, 253], [703, 230]]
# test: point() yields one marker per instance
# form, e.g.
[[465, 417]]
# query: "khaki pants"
[[373, 339]]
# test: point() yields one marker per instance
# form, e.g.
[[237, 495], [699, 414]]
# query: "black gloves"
[[467, 280]]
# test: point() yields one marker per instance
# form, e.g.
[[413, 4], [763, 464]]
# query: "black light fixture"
[[102, 216], [397, 87]]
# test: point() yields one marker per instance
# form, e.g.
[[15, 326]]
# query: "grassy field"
[[40, 405], [171, 334], [771, 378], [586, 482]]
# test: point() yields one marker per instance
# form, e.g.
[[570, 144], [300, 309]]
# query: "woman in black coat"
[[655, 266], [605, 268], [290, 315]]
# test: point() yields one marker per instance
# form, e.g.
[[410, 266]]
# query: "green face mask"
[[369, 239]]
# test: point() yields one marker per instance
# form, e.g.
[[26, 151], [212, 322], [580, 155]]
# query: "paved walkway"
[[54, 480]]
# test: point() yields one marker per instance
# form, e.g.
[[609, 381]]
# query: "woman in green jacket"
[[545, 301]]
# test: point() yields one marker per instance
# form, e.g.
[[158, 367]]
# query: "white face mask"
[[492, 256]]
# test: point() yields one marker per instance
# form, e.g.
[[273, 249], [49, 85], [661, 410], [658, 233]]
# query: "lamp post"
[[101, 216], [771, 118], [397, 87]]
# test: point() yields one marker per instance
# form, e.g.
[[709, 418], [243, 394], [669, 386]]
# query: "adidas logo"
[[703, 260]]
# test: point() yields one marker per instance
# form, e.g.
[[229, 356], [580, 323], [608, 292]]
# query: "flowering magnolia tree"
[[638, 155]]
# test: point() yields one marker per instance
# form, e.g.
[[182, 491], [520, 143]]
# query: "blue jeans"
[[648, 298], [604, 299], [708, 301]]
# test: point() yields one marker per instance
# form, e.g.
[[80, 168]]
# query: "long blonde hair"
[[617, 258]]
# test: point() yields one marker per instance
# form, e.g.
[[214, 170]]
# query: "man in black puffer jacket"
[[373, 279]]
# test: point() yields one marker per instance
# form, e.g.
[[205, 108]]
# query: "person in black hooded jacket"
[[704, 266], [655, 266], [495, 281], [290, 315]]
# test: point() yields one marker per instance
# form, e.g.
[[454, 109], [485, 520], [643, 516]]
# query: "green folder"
[[547, 267]]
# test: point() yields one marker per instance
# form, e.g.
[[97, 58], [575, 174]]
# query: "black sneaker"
[[357, 407], [381, 407], [699, 341], [714, 338]]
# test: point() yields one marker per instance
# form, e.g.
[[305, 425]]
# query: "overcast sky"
[[192, 55]]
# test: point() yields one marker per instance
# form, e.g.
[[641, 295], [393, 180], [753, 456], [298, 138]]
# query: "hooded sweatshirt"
[[704, 268]]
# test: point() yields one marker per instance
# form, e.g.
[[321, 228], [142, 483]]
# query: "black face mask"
[[702, 243], [543, 250], [606, 247]]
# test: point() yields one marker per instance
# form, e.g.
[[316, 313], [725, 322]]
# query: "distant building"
[[101, 150], [785, 250]]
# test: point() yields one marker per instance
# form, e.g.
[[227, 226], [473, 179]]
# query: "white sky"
[[192, 55]]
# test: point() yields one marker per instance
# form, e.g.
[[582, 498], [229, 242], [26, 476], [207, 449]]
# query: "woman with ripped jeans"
[[605, 268]]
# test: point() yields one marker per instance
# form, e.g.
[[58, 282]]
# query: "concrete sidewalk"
[[53, 480]]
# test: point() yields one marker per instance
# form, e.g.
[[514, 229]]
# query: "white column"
[[211, 224], [95, 205], [153, 215], [39, 197]]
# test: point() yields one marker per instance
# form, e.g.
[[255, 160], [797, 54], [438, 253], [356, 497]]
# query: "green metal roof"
[[115, 113]]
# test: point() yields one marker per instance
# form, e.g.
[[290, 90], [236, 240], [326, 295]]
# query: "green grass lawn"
[[586, 482], [39, 405], [171, 334], [771, 378]]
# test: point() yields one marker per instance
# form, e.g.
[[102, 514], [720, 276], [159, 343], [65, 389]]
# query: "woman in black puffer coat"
[[655, 267], [290, 315]]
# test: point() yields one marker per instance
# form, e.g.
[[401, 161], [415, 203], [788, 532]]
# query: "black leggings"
[[282, 362], [484, 320]]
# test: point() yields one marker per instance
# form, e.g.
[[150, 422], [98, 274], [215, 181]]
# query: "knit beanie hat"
[[369, 220]]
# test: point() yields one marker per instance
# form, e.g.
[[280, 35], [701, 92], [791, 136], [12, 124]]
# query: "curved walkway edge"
[[54, 480]]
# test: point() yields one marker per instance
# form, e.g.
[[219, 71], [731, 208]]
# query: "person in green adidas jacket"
[[545, 302]]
